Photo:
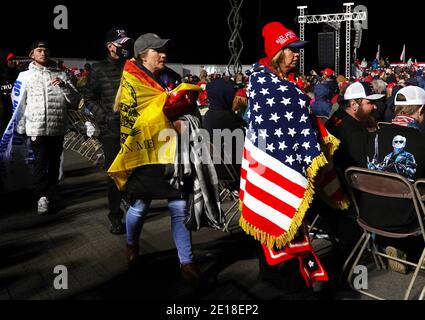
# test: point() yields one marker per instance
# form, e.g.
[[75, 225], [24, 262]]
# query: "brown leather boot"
[[191, 274], [132, 254]]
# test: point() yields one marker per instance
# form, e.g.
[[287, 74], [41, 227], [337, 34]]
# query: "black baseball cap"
[[39, 44], [117, 35]]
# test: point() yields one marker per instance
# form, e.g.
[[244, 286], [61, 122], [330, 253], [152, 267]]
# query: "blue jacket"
[[321, 105]]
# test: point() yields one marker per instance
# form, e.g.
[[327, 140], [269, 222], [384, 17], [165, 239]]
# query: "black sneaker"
[[117, 228]]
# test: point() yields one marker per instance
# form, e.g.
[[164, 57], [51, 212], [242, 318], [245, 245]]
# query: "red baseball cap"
[[328, 72], [277, 36]]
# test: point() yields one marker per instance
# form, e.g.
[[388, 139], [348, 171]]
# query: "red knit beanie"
[[276, 36]]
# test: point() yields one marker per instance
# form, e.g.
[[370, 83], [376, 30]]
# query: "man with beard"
[[99, 97], [351, 123]]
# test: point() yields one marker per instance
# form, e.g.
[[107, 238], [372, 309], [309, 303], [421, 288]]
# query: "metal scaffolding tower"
[[333, 20], [235, 43], [302, 31], [348, 41]]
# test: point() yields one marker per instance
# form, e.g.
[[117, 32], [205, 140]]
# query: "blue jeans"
[[182, 237]]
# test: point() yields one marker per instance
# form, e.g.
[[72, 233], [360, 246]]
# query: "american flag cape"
[[282, 156]]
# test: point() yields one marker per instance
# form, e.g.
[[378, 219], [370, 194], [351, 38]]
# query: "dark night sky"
[[199, 28]]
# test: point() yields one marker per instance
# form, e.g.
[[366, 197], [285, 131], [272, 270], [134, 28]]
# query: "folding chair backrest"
[[381, 124], [379, 183], [384, 184]]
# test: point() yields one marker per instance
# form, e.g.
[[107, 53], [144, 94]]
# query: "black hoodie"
[[220, 116]]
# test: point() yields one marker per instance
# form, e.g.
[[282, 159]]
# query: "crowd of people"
[[373, 120]]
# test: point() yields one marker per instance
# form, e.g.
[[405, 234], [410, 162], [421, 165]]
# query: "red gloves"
[[180, 103]]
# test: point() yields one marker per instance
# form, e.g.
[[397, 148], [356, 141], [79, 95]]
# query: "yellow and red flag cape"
[[144, 136]]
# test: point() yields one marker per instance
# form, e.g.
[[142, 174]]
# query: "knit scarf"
[[406, 121], [193, 159]]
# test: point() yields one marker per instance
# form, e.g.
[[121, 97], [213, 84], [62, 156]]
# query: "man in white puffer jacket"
[[42, 95]]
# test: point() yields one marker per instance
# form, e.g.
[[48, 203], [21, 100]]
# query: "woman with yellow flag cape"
[[148, 145]]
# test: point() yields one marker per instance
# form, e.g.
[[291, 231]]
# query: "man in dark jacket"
[[102, 87], [351, 123]]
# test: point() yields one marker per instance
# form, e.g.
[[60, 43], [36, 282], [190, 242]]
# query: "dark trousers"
[[111, 147], [47, 153]]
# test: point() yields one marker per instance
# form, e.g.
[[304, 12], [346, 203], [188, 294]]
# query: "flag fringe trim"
[[282, 240], [332, 144]]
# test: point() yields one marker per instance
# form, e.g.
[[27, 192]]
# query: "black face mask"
[[123, 53]]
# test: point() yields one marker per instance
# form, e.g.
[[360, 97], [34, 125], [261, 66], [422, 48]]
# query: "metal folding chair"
[[422, 295], [388, 185], [229, 181], [419, 187], [77, 140]]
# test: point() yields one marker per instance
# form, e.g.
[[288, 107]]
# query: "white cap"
[[415, 96], [359, 90]]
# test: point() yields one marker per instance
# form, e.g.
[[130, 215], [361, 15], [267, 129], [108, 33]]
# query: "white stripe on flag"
[[266, 211], [271, 188], [275, 164], [243, 184], [276, 256]]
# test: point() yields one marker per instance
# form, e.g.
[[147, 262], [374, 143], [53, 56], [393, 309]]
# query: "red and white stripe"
[[271, 192], [331, 185]]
